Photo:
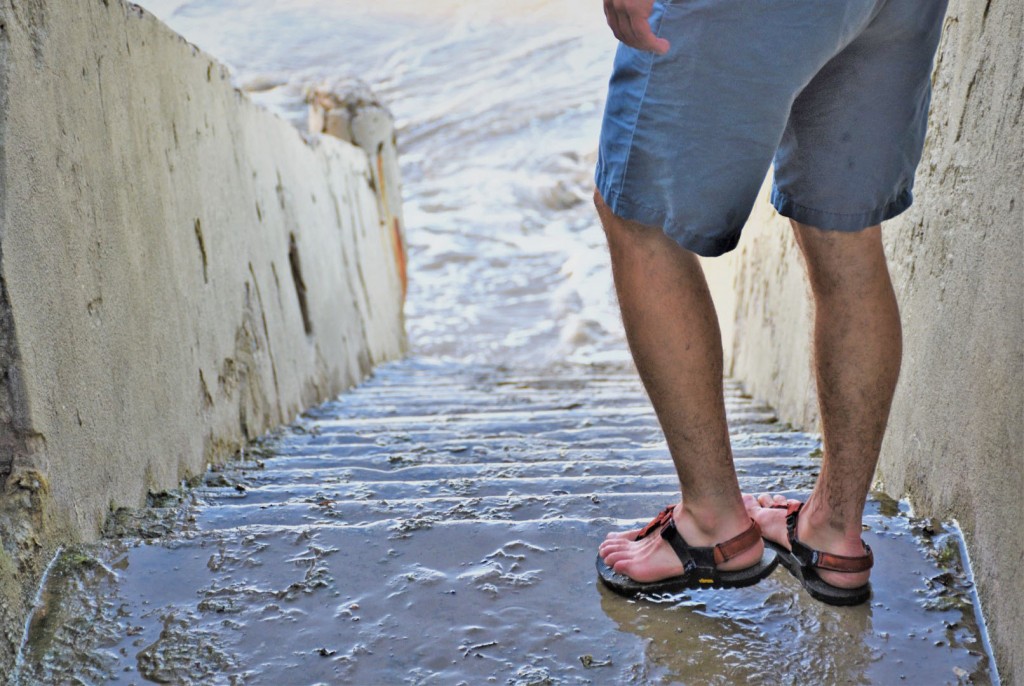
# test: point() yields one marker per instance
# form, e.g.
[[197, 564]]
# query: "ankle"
[[711, 519], [821, 522]]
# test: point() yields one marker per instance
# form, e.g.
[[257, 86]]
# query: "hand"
[[628, 21]]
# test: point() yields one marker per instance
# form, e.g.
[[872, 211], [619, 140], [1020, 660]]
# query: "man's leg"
[[673, 334], [857, 353]]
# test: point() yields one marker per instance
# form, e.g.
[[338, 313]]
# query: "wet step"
[[533, 454], [322, 508], [380, 462], [397, 448], [466, 486], [330, 469], [572, 480], [439, 525]]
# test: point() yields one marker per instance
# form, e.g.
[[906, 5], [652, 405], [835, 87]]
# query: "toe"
[[622, 566], [615, 543], [628, 535], [772, 500], [632, 569], [773, 524], [616, 557], [613, 546]]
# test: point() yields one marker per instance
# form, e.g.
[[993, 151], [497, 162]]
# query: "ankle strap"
[[738, 544], [656, 523], [848, 564], [710, 556]]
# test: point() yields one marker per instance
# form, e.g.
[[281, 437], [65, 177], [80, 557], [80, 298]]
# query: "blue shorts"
[[836, 91]]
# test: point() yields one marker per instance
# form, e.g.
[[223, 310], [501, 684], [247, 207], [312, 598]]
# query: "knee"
[[839, 262]]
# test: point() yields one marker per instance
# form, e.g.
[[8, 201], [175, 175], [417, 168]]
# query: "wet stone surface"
[[438, 525]]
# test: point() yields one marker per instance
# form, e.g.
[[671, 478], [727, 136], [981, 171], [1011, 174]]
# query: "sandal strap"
[[807, 556], [739, 543], [711, 556], [656, 523]]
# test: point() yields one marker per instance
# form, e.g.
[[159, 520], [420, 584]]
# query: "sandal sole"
[[698, 578], [818, 589]]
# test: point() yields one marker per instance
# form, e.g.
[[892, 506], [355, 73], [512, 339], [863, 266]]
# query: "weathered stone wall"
[[956, 436], [179, 271]]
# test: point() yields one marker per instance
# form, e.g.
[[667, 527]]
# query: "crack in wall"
[[202, 249], [300, 284]]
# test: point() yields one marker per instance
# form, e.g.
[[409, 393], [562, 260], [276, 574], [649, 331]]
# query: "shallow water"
[[497, 108], [438, 525]]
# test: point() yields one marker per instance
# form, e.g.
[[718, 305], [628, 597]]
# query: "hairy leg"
[[673, 334], [857, 354]]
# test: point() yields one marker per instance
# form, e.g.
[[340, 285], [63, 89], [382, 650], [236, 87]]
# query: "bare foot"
[[772, 521], [652, 558], [633, 533]]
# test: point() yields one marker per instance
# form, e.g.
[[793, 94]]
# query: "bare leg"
[[857, 354], [673, 334]]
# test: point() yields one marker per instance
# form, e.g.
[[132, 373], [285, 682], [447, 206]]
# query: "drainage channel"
[[438, 525]]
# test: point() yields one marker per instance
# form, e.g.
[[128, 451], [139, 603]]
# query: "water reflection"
[[728, 638], [775, 633]]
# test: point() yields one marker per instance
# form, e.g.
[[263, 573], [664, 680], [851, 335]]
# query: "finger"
[[612, 17], [626, 29], [644, 38]]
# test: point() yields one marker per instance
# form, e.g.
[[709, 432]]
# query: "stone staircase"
[[438, 525]]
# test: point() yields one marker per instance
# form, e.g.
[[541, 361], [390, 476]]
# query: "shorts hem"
[[625, 209], [838, 221]]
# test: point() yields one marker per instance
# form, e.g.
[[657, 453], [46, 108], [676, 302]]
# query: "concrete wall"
[[179, 271], [955, 442]]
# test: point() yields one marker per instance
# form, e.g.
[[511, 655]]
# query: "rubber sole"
[[698, 578], [820, 590]]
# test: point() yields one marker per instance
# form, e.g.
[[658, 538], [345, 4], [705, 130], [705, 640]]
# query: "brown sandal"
[[656, 523], [699, 563], [802, 560]]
